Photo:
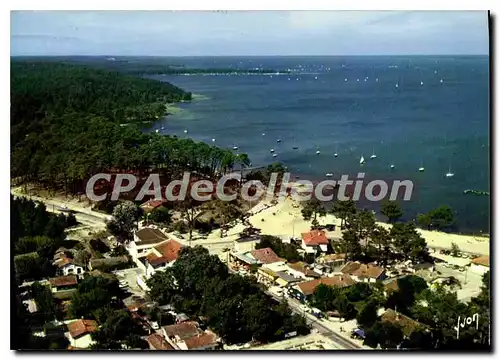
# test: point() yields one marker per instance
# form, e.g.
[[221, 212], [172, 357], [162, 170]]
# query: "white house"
[[65, 263], [160, 257], [314, 240], [245, 244], [188, 336], [480, 265], [79, 333], [145, 240]]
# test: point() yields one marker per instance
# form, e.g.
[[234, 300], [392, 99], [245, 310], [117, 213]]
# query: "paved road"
[[316, 323], [83, 215]]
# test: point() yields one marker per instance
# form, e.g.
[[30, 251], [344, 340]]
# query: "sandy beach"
[[285, 219]]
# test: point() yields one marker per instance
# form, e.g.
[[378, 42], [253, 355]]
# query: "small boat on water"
[[329, 174], [279, 140], [475, 192], [441, 81], [397, 85], [295, 147], [421, 169], [163, 127], [336, 151], [235, 148], [373, 155], [263, 134], [449, 173], [421, 83], [274, 155], [157, 131], [272, 150], [362, 160], [345, 80], [392, 166], [213, 140], [318, 152]]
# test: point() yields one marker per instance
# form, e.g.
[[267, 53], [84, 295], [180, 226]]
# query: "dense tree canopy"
[[66, 126], [235, 307]]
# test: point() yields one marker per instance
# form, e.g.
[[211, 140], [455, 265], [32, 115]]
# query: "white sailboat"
[[373, 155], [336, 151], [318, 152], [274, 155], [329, 174], [213, 140], [235, 148], [185, 131], [449, 173], [392, 166], [421, 168], [362, 160], [272, 150]]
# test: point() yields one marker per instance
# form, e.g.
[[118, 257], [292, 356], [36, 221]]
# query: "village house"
[[314, 240], [480, 265], [303, 290], [160, 257], [306, 272], [144, 240], [364, 272], [266, 256], [158, 342], [79, 333], [150, 205], [405, 323], [63, 260], [63, 283], [188, 336], [332, 260], [107, 263], [245, 244]]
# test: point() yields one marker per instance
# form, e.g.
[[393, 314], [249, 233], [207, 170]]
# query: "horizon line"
[[243, 55]]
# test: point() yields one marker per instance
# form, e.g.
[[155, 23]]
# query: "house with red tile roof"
[[158, 342], [305, 289], [160, 257], [62, 283], [188, 336], [480, 265], [314, 240], [63, 260], [150, 205], [79, 333], [266, 256]]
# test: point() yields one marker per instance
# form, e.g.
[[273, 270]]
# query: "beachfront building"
[[480, 265], [314, 240], [363, 272]]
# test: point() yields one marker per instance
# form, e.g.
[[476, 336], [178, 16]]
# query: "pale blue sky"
[[167, 33]]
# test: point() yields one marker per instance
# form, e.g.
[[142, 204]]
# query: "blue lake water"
[[411, 111]]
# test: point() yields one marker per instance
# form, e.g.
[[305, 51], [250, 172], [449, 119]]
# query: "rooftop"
[[482, 260], [148, 236], [315, 237], [407, 325], [158, 342], [82, 327], [308, 287], [183, 330], [301, 267], [200, 340], [362, 270], [266, 256], [169, 251], [150, 205], [63, 281]]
